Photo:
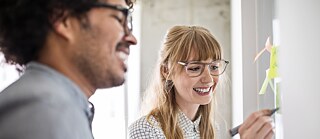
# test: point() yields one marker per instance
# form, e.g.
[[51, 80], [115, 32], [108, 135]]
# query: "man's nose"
[[130, 39]]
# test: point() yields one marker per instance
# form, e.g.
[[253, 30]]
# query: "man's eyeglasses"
[[127, 25], [195, 68]]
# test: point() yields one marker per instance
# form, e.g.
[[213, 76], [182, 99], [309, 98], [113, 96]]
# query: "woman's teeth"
[[202, 90]]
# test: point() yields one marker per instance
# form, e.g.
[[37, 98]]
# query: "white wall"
[[300, 67], [244, 71], [159, 16]]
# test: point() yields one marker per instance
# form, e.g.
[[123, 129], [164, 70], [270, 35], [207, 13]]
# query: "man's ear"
[[64, 27]]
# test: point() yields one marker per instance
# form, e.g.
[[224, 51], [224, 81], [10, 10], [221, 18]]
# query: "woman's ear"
[[165, 72]]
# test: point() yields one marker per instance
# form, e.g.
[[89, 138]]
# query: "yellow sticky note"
[[273, 72]]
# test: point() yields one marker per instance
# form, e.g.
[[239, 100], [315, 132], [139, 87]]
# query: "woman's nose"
[[206, 76]]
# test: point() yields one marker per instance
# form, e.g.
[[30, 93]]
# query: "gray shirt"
[[44, 104]]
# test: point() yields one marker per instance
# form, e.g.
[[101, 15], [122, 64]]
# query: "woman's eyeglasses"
[[195, 68]]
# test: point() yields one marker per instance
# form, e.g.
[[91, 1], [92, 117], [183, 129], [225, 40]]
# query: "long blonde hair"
[[180, 42]]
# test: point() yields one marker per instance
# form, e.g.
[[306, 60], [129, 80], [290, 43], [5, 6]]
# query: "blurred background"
[[242, 28]]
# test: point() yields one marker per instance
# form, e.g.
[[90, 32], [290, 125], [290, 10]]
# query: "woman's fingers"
[[270, 135], [266, 129], [259, 125], [252, 119], [263, 123]]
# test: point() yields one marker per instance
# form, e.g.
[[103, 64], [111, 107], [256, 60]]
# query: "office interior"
[[242, 28]]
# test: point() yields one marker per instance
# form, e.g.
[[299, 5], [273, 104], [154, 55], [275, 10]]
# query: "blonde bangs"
[[206, 47], [195, 42]]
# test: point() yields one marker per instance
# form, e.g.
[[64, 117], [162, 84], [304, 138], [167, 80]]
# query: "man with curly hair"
[[66, 49]]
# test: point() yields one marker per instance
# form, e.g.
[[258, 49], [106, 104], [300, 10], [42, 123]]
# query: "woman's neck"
[[190, 110]]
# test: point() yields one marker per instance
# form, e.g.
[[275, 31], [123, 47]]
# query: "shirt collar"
[[187, 125]]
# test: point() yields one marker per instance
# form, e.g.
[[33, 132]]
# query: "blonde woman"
[[186, 77]]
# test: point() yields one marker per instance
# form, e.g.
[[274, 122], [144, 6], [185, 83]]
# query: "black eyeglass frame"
[[127, 25], [185, 64]]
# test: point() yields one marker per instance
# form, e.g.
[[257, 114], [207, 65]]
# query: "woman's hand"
[[259, 125]]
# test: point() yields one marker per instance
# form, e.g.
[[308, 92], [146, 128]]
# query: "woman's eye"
[[194, 69], [214, 67]]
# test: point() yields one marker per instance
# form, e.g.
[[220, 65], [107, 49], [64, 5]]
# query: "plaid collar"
[[187, 125]]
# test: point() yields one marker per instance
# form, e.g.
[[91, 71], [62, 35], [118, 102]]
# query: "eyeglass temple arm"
[[182, 63]]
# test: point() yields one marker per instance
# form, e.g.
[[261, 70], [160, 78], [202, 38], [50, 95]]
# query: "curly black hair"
[[24, 24]]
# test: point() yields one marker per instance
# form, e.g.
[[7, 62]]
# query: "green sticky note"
[[273, 72], [265, 84]]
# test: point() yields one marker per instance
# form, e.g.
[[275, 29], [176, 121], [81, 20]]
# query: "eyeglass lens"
[[128, 24]]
